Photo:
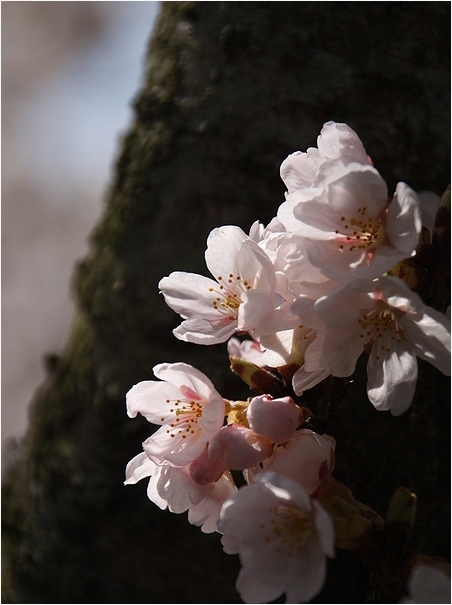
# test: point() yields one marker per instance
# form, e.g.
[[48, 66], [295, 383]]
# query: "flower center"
[[237, 413], [229, 293], [184, 417], [362, 232], [289, 528], [378, 323]]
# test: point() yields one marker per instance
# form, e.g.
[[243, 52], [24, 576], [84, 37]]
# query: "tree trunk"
[[230, 89]]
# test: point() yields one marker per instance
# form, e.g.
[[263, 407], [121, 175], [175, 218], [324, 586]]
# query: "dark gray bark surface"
[[230, 90]]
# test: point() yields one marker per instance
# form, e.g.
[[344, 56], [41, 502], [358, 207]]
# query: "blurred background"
[[69, 73]]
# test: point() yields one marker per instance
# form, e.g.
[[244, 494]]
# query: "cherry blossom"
[[238, 447], [293, 335], [282, 537], [392, 323], [206, 469], [239, 298], [302, 458], [307, 295], [187, 406], [207, 512], [286, 346], [173, 488], [428, 584], [353, 229], [286, 251], [336, 140], [338, 204], [275, 419], [249, 350]]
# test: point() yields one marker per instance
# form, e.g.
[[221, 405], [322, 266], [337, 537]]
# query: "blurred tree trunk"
[[230, 90]]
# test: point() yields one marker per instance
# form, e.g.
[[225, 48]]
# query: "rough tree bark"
[[230, 90]]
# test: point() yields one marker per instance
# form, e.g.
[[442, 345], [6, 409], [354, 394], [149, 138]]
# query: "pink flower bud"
[[238, 447], [274, 419], [205, 470]]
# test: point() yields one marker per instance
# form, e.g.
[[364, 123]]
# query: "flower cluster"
[[296, 301], [189, 460], [314, 283]]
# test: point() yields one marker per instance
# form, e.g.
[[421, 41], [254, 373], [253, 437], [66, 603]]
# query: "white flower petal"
[[174, 448], [249, 350], [138, 468], [256, 306], [190, 294], [397, 294], [428, 584], [429, 335], [343, 264], [336, 141], [255, 267], [212, 416], [223, 246], [350, 187], [257, 231], [314, 353], [307, 574], [301, 458], [288, 211], [341, 311], [303, 380], [339, 140], [233, 258], [325, 527], [340, 263], [240, 517], [178, 490], [281, 319], [403, 223], [258, 589], [317, 219], [206, 332], [298, 169], [149, 399], [184, 375], [207, 512], [337, 341], [285, 347], [391, 375], [152, 491], [230, 546]]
